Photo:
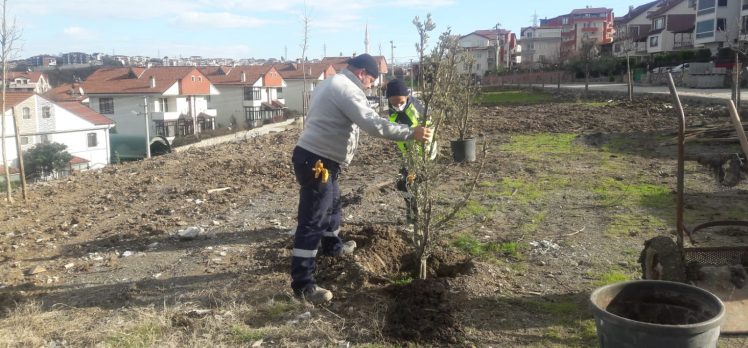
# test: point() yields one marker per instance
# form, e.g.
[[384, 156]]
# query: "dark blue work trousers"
[[318, 217]]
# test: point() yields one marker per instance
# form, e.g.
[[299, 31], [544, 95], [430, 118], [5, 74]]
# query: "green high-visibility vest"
[[409, 117]]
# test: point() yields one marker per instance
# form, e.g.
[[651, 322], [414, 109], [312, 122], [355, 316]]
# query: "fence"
[[536, 78]]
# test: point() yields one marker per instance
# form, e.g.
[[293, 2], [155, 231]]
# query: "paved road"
[[714, 94]]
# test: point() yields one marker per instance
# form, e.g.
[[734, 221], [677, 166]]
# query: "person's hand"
[[422, 134]]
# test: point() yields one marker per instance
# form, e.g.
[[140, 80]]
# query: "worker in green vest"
[[407, 110]]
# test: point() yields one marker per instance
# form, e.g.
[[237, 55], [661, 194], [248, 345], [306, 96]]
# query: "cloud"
[[219, 20], [78, 33]]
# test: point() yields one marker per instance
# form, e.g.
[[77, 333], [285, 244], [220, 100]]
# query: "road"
[[712, 94]]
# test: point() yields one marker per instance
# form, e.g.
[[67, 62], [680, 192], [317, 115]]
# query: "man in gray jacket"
[[338, 108]]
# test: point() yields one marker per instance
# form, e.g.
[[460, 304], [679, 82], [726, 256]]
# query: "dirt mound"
[[423, 311]]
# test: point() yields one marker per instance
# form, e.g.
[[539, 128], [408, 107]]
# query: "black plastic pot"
[[463, 150], [656, 313]]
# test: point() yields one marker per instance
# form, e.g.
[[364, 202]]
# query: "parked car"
[[680, 68], [661, 69]]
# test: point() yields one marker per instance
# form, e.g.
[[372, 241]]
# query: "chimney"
[[631, 8], [244, 76], [153, 82]]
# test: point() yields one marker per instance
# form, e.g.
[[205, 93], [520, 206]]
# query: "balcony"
[[678, 44], [590, 29], [164, 116], [210, 112]]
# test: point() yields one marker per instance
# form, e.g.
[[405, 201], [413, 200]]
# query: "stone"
[[127, 253], [69, 265], [190, 233], [36, 270]]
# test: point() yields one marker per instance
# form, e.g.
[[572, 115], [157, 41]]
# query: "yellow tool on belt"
[[318, 169], [411, 178]]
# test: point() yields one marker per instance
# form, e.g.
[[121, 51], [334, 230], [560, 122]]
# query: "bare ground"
[[569, 194]]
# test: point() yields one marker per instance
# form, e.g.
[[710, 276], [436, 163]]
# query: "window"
[[46, 112], [252, 113], [163, 104], [722, 3], [280, 93], [44, 138], [705, 7], [659, 23], [653, 41], [705, 29], [106, 106], [199, 79], [252, 93], [92, 140], [24, 140], [721, 24], [26, 113], [193, 78]]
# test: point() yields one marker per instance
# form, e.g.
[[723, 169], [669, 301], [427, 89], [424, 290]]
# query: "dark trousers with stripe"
[[318, 217]]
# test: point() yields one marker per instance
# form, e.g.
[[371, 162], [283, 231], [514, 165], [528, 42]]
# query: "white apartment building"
[[540, 46], [717, 23]]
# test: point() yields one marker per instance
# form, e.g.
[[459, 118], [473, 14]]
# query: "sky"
[[264, 28]]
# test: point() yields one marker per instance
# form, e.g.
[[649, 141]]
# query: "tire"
[[662, 260]]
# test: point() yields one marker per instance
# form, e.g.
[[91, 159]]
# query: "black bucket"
[[656, 313], [463, 150]]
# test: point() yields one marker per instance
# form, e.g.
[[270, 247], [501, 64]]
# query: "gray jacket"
[[336, 111]]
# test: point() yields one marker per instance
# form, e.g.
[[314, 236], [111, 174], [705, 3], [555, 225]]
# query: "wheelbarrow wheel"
[[661, 260]]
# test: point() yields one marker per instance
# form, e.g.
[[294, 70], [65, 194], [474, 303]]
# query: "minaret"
[[366, 38]]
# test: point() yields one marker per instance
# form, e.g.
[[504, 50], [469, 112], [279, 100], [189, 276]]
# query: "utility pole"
[[392, 54], [147, 128]]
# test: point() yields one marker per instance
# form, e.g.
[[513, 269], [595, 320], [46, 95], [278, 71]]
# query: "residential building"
[[22, 81], [84, 131], [484, 47], [584, 25], [294, 77], [43, 60], [67, 92], [75, 58], [632, 29], [253, 93], [672, 23], [541, 46], [718, 23], [340, 63], [174, 98]]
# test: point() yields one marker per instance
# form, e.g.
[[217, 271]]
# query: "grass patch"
[[276, 309], [535, 222], [613, 192], [537, 145], [610, 277], [245, 334], [476, 248], [514, 98], [473, 208], [144, 335], [564, 309], [631, 224], [403, 280]]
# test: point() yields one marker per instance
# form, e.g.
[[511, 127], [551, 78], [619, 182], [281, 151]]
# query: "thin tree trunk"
[[4, 53], [19, 152]]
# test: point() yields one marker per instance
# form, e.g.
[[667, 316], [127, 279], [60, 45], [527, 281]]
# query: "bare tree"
[[9, 35], [589, 52], [440, 83], [423, 33], [304, 46]]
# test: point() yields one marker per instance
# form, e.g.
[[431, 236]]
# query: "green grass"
[[542, 144], [620, 193], [144, 335], [403, 280], [474, 208], [610, 277], [245, 334], [276, 309], [514, 98], [534, 223], [476, 248], [635, 224]]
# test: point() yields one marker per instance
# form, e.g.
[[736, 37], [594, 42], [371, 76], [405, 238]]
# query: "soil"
[[107, 239]]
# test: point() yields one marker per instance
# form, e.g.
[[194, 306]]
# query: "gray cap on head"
[[366, 62]]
